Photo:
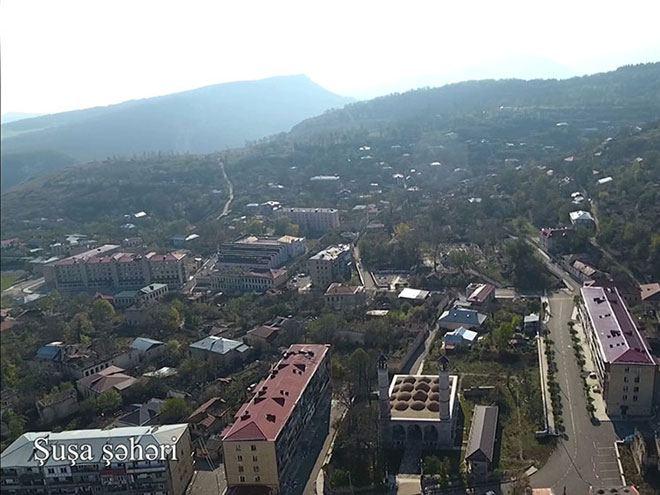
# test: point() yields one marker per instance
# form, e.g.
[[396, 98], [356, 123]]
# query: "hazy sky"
[[68, 54]]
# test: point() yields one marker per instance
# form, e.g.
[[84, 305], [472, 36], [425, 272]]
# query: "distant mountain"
[[201, 120], [632, 91], [14, 116]]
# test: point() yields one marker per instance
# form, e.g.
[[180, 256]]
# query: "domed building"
[[418, 410]]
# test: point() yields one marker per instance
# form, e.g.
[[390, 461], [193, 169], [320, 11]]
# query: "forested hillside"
[[202, 120]]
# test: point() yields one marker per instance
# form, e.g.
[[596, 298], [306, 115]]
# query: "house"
[[556, 240], [110, 378], [144, 349], [53, 352], [415, 296], [264, 335], [459, 317], [344, 296], [532, 324], [210, 417], [650, 293], [140, 414], [480, 295], [220, 351], [582, 219], [57, 405], [460, 337], [480, 450]]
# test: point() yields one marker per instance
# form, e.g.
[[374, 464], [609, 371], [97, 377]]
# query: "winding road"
[[230, 187]]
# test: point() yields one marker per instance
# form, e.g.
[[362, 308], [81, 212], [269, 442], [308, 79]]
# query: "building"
[[416, 296], [57, 405], [418, 410], [624, 365], [259, 253], [263, 447], [480, 450], [460, 337], [106, 269], [151, 293], [242, 280], [556, 240], [480, 295], [313, 220], [333, 264], [460, 317], [345, 297], [650, 293], [169, 473], [109, 378], [125, 298], [582, 219], [140, 414], [532, 324], [272, 331], [211, 417], [220, 351]]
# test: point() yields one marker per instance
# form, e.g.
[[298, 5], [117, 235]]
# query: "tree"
[[174, 409], [102, 315], [107, 402], [501, 336], [359, 365], [80, 328]]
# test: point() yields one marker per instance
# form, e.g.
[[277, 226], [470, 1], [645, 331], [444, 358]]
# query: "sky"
[[69, 54]]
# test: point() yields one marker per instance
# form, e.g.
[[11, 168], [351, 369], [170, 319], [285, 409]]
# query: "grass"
[[7, 281]]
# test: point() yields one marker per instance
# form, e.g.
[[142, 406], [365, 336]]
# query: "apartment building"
[[241, 280], [625, 367], [252, 252], [263, 447], [169, 473], [313, 220], [106, 269], [330, 265]]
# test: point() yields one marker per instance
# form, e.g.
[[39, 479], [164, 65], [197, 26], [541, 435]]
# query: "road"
[[365, 275], [338, 410], [230, 187], [585, 456]]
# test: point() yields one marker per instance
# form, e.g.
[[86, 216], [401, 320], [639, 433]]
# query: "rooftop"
[[87, 255], [619, 340], [481, 293], [144, 344], [415, 294], [580, 215], [21, 452], [264, 416], [463, 316], [417, 397], [481, 441], [649, 291], [311, 210], [336, 288], [218, 345], [331, 253]]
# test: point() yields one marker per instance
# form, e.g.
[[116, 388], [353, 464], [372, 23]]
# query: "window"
[[636, 379], [626, 369], [62, 470], [257, 478], [635, 389], [253, 447], [51, 470], [254, 458], [635, 398], [625, 397], [239, 458], [242, 479], [625, 379], [256, 469], [241, 469], [625, 388]]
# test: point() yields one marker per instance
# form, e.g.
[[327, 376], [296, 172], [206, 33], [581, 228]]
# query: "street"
[[585, 456]]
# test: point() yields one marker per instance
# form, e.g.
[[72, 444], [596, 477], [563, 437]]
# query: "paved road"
[[586, 456], [230, 187], [365, 275]]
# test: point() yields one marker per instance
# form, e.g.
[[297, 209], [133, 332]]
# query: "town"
[[265, 288]]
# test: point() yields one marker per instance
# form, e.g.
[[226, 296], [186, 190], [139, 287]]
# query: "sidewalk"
[[590, 367], [545, 392]]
